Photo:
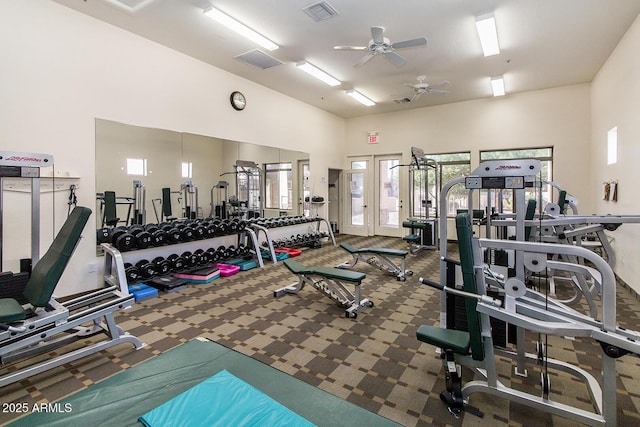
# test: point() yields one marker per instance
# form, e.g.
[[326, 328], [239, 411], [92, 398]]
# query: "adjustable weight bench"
[[44, 323], [380, 258], [331, 282]]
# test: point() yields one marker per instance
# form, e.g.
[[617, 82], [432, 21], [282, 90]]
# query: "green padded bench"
[[329, 281], [378, 257], [44, 324]]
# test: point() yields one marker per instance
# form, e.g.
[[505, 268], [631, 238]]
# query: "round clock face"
[[238, 101]]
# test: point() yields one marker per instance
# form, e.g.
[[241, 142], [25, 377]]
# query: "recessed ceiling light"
[[317, 73], [240, 28], [360, 97], [486, 26], [497, 85]]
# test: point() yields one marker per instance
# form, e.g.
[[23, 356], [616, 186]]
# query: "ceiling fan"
[[380, 45], [421, 88]]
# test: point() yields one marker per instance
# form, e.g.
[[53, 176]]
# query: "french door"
[[388, 203], [356, 206]]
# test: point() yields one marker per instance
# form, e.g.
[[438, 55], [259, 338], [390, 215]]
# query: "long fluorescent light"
[[317, 73], [360, 98], [497, 85], [240, 28], [486, 26]]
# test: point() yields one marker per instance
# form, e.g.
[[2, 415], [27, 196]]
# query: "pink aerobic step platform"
[[228, 270]]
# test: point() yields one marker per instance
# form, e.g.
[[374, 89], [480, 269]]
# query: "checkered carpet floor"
[[373, 361]]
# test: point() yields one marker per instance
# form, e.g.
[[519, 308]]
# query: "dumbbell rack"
[[285, 227], [114, 262]]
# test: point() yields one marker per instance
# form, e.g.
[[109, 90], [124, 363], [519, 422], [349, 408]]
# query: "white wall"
[[61, 70], [615, 99], [555, 117]]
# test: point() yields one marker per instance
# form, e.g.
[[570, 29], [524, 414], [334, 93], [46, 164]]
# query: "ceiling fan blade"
[[395, 59], [364, 60], [420, 41], [377, 34], [416, 96], [350, 47], [439, 92], [439, 84]]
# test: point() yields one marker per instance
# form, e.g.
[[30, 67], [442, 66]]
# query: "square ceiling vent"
[[320, 11], [258, 59]]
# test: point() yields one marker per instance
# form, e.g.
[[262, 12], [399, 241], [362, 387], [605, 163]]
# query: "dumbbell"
[[200, 231], [242, 224], [176, 262], [230, 252], [221, 252], [147, 269], [203, 256], [242, 250], [123, 240], [131, 273], [175, 235], [190, 260], [213, 255], [162, 266], [103, 235], [143, 237]]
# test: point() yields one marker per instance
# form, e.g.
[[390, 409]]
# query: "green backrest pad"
[[382, 251], [166, 202], [562, 201], [110, 207], [529, 215], [465, 233], [329, 272], [49, 269]]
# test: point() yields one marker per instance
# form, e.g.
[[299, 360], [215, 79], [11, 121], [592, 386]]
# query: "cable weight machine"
[[423, 203]]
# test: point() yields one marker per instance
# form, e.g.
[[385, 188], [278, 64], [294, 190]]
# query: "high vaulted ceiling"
[[544, 43]]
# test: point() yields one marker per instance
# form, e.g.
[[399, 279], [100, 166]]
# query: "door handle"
[[364, 206]]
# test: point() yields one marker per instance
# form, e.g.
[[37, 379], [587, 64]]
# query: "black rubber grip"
[[431, 283]]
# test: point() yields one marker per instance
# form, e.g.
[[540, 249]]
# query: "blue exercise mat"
[[222, 400]]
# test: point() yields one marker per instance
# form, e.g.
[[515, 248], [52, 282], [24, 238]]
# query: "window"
[[612, 146], [137, 167], [450, 166], [187, 170], [359, 164], [278, 186], [544, 155]]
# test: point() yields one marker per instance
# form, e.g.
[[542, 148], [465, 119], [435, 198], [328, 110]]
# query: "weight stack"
[[457, 319], [12, 285]]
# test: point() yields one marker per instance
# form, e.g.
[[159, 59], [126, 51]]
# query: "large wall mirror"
[[131, 158]]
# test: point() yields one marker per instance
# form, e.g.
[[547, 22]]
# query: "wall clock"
[[238, 101]]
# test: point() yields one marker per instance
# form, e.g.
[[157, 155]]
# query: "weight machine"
[[248, 201], [26, 166], [219, 202], [191, 205], [139, 203], [492, 302], [422, 222]]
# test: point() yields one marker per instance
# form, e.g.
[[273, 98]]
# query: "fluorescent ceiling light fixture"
[[240, 28], [317, 73], [497, 85], [360, 97], [486, 26]]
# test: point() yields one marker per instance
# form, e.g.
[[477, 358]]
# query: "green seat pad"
[[449, 339], [10, 310], [411, 237], [381, 251], [340, 274]]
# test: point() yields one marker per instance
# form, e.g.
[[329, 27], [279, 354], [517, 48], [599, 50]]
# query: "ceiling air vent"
[[258, 59], [320, 11]]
